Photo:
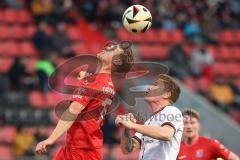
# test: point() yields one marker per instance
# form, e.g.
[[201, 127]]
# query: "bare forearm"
[[233, 156], [63, 125], [156, 132], [126, 140]]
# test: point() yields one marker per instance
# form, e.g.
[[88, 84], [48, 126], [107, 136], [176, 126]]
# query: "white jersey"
[[153, 149]]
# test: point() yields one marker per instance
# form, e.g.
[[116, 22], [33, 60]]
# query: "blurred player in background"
[[159, 138], [84, 138], [195, 147]]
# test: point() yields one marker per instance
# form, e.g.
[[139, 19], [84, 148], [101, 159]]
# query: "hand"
[[83, 74], [127, 120], [41, 147]]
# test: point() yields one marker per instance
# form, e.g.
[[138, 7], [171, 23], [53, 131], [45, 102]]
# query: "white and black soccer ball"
[[137, 19]]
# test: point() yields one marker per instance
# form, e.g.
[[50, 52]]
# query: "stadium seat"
[[5, 64], [37, 99], [30, 31], [190, 83], [225, 53], [10, 16], [227, 37], [203, 84], [5, 152], [80, 48], [52, 99], [12, 49], [176, 36], [233, 69], [149, 36], [237, 36], [7, 134], [220, 69], [27, 49], [17, 32], [163, 36], [123, 34], [24, 17], [1, 16], [188, 49], [236, 53], [154, 52], [74, 34], [4, 32], [214, 50]]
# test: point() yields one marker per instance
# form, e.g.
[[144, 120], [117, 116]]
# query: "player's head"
[[164, 88], [118, 56], [191, 123]]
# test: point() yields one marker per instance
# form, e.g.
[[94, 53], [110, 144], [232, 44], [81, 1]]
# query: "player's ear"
[[166, 95], [117, 61]]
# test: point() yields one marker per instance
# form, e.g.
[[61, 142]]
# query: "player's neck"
[[158, 105], [190, 141], [104, 69]]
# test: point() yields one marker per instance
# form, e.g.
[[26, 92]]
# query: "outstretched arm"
[[233, 156], [66, 121]]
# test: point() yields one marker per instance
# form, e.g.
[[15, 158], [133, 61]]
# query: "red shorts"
[[66, 153]]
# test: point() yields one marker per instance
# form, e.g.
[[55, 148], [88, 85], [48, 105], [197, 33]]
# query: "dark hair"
[[191, 113]]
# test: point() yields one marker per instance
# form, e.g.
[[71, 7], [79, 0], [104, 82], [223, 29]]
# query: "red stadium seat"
[[17, 32], [214, 50], [4, 32], [233, 69], [53, 98], [74, 34], [5, 152], [80, 48], [37, 99], [176, 36], [237, 36], [27, 49], [30, 31], [1, 16], [12, 49], [227, 36], [163, 36], [123, 34], [7, 134], [24, 17], [5, 64], [236, 52], [154, 52], [188, 49], [220, 69], [203, 84], [225, 53], [190, 83], [149, 36], [10, 16]]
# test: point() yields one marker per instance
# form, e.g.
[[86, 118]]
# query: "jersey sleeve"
[[220, 150], [173, 117], [83, 100], [138, 137]]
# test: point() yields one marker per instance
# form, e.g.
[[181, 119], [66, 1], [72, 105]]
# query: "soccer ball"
[[137, 19]]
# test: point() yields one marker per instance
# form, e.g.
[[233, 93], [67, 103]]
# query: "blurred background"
[[198, 40]]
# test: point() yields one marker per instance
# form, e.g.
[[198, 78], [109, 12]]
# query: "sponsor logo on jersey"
[[199, 153], [108, 90]]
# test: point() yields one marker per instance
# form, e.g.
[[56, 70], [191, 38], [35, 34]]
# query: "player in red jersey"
[[84, 139], [195, 147]]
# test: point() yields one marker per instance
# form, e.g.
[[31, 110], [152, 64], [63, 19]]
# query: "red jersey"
[[203, 149], [85, 133]]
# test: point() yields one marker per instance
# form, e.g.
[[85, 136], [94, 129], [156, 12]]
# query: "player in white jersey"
[[160, 136]]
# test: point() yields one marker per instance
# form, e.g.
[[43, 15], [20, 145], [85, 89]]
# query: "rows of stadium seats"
[[229, 37], [21, 16], [160, 52]]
